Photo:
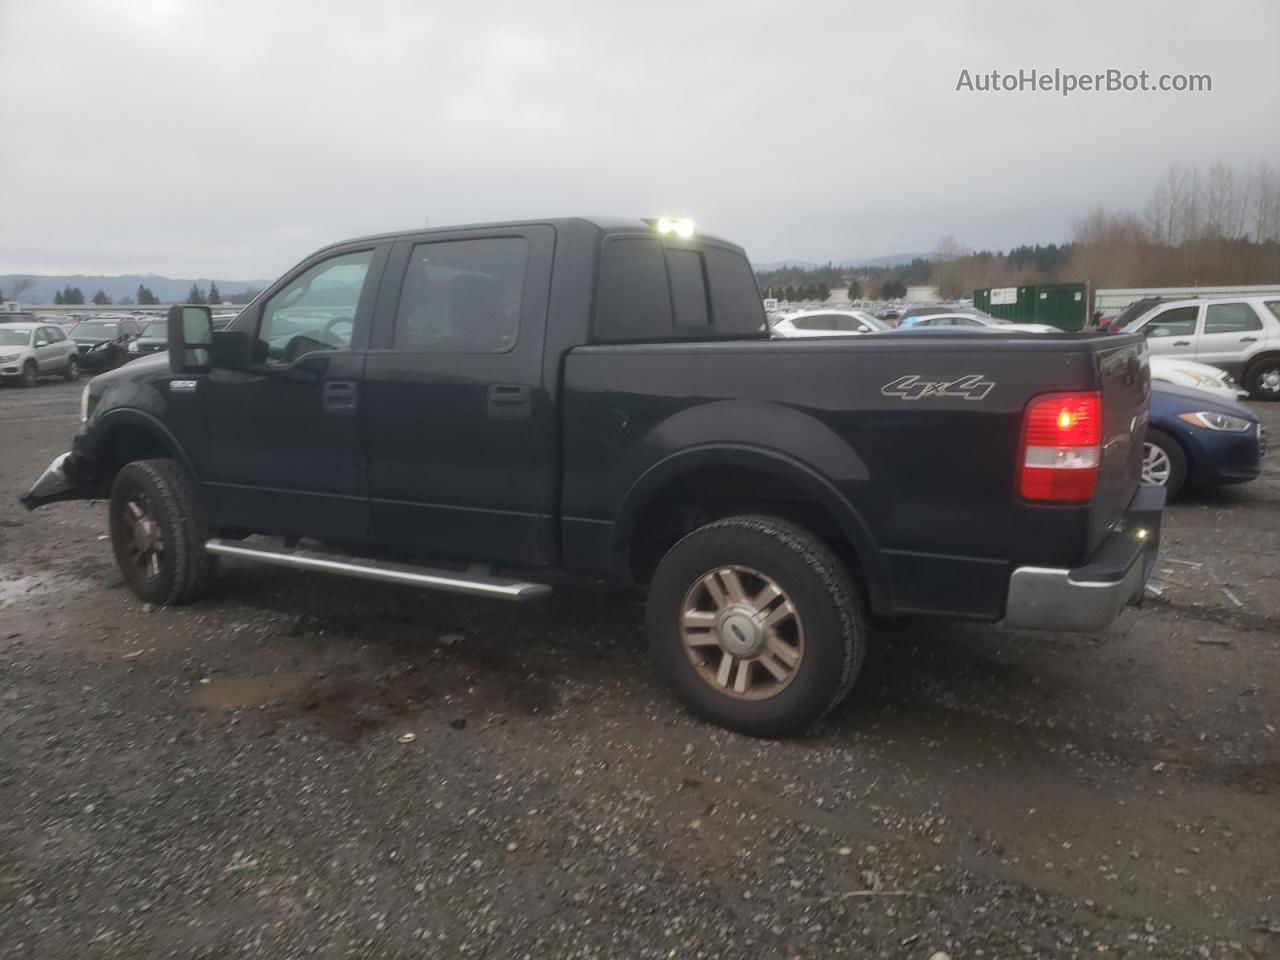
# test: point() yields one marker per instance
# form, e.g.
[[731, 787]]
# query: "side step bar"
[[425, 577]]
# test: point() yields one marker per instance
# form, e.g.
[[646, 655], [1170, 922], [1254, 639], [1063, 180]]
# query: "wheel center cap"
[[739, 632]]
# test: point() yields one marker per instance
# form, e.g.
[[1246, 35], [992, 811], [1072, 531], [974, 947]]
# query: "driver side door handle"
[[339, 397], [1182, 343]]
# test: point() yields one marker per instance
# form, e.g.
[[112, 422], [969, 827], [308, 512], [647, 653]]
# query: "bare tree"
[[20, 286]]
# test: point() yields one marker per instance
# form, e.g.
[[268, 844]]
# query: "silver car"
[[29, 351], [1238, 334]]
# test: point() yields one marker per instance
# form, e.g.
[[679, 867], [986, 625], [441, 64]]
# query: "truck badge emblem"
[[971, 386]]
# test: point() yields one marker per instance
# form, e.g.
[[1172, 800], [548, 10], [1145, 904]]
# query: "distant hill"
[[167, 289], [892, 260]]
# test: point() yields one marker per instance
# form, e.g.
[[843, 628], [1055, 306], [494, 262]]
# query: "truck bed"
[[919, 436]]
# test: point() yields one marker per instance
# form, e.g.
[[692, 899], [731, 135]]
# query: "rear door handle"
[[510, 401], [339, 396], [1182, 343], [1248, 339]]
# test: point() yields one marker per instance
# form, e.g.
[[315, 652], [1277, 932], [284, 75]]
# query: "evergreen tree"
[[215, 296], [146, 298], [101, 299], [72, 295], [194, 295], [58, 298], [855, 290]]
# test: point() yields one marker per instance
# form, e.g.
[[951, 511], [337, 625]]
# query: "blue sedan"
[[1196, 439]]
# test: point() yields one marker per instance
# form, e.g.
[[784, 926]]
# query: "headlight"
[[1200, 379], [1216, 421], [84, 404], [7, 357]]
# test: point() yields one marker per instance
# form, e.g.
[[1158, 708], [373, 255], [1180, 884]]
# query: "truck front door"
[[285, 438], [461, 436]]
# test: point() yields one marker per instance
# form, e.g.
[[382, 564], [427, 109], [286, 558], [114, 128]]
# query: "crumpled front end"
[[60, 480]]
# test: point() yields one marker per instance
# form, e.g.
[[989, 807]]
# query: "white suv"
[[1238, 334], [29, 351]]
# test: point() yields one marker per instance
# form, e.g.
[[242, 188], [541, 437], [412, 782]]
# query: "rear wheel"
[[756, 626], [158, 532], [1163, 462], [1263, 379], [29, 374], [72, 373]]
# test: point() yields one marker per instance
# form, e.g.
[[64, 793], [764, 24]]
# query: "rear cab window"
[[651, 290]]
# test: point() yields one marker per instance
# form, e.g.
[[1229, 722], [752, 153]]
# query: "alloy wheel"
[[1156, 467], [144, 540], [742, 633]]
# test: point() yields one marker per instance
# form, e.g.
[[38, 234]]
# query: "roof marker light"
[[682, 227]]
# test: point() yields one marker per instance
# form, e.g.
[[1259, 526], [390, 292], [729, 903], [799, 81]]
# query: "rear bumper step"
[[424, 577]]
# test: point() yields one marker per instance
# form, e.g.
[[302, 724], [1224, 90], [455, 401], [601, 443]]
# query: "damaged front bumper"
[[1089, 598], [58, 482]]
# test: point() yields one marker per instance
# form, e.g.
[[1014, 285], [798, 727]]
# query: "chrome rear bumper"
[[1089, 598]]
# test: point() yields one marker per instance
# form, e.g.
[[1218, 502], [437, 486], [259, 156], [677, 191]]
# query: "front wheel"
[[1263, 379], [29, 374], [756, 626], [158, 532], [72, 373]]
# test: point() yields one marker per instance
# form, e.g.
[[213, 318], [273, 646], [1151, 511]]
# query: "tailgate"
[[1124, 378]]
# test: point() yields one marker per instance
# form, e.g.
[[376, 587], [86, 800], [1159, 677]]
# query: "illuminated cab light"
[[682, 227], [1061, 448]]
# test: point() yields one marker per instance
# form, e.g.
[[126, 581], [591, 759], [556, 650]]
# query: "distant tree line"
[[1199, 227], [811, 292]]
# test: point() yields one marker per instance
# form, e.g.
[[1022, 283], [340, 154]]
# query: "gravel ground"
[[232, 778]]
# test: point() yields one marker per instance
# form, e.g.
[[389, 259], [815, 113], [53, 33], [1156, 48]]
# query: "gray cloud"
[[230, 138]]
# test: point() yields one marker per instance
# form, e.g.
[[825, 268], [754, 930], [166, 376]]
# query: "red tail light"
[[1061, 448]]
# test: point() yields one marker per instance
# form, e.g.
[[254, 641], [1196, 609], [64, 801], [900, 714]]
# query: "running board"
[[425, 577]]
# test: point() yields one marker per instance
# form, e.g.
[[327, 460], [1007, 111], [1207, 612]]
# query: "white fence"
[[1113, 301]]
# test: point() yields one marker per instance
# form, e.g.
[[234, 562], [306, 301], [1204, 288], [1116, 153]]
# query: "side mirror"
[[42, 343], [190, 338]]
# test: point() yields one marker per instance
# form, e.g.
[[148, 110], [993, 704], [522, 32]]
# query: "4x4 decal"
[[971, 386]]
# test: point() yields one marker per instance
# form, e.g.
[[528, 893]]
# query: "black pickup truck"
[[487, 409]]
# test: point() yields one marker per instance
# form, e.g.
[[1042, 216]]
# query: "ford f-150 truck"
[[487, 409]]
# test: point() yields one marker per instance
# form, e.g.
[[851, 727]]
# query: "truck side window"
[[317, 311], [634, 300], [688, 289], [462, 296], [1231, 318], [735, 298]]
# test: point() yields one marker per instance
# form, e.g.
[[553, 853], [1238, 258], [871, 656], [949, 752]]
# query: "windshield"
[[157, 330], [96, 328], [14, 338]]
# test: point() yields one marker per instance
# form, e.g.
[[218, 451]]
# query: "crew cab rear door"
[[462, 438]]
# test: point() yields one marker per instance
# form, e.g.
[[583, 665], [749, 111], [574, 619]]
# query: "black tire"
[[29, 374], [1263, 379], [817, 585], [72, 373], [1177, 472], [183, 571]]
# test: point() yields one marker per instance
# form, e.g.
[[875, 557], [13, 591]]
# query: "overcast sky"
[[231, 137]]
